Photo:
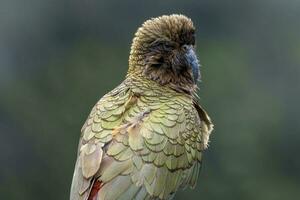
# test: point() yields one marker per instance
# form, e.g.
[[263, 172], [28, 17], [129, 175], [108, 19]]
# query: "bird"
[[145, 139]]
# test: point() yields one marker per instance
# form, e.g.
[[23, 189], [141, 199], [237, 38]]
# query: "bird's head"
[[163, 50]]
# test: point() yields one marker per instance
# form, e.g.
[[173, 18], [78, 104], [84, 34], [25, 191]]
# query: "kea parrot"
[[145, 139]]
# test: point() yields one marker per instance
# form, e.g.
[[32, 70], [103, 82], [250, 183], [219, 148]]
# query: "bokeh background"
[[57, 58]]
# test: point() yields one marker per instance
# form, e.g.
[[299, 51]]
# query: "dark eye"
[[161, 60], [168, 46], [156, 61], [162, 45]]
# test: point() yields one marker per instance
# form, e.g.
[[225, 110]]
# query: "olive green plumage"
[[143, 140]]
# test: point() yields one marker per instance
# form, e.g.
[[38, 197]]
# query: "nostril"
[[185, 47]]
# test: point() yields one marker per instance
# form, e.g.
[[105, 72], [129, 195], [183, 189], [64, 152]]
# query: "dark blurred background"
[[57, 58]]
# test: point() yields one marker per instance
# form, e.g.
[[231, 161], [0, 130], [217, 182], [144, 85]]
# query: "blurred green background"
[[57, 58]]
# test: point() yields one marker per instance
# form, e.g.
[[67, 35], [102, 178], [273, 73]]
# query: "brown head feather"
[[158, 52]]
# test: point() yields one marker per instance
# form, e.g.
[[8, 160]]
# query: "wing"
[[139, 147], [96, 135]]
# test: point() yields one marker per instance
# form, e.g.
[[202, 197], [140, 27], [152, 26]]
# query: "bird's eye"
[[168, 46], [161, 60], [162, 45]]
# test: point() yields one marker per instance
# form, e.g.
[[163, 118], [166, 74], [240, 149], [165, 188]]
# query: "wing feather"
[[146, 145]]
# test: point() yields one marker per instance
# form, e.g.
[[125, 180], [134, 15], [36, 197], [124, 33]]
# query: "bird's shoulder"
[[173, 116]]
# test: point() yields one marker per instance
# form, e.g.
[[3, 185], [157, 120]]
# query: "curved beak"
[[193, 62]]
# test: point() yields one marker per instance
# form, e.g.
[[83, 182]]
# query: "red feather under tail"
[[95, 189]]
